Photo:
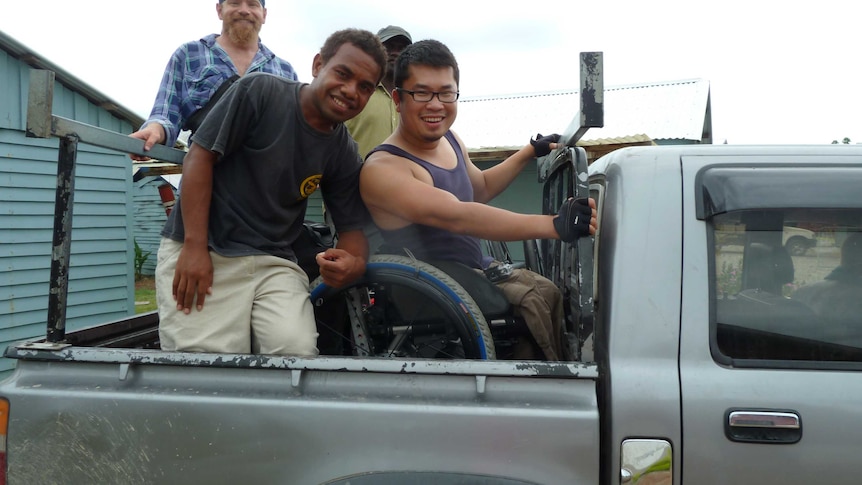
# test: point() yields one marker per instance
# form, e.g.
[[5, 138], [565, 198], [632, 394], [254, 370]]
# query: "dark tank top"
[[430, 243]]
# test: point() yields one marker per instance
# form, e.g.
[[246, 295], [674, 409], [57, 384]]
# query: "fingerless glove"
[[573, 219], [542, 144]]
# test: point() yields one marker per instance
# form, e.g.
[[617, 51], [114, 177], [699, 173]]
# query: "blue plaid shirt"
[[194, 73]]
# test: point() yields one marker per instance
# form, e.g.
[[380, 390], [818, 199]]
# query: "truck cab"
[[761, 378]]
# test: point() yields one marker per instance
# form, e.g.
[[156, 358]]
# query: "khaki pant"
[[259, 304], [540, 303]]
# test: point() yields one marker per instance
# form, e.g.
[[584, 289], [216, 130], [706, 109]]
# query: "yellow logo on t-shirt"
[[309, 185]]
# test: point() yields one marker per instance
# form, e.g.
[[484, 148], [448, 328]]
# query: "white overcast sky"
[[780, 72]]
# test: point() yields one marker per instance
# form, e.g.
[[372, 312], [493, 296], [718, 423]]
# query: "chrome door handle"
[[763, 426]]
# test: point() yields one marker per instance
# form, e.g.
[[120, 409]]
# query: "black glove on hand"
[[573, 219], [542, 144]]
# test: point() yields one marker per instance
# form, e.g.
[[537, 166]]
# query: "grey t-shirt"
[[270, 161]]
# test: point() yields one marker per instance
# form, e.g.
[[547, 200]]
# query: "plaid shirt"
[[194, 73]]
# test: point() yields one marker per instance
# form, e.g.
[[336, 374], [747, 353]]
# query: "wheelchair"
[[406, 308], [403, 307]]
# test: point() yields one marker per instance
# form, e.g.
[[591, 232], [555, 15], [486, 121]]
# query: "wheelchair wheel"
[[403, 308]]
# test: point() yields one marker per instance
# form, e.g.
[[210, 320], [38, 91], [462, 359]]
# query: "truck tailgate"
[[278, 420]]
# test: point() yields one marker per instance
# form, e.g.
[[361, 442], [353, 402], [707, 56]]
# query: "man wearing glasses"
[[426, 195]]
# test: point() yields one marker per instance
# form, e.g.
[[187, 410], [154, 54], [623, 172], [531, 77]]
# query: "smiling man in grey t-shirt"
[[227, 276]]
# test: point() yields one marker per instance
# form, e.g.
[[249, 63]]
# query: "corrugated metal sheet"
[[676, 110], [620, 140]]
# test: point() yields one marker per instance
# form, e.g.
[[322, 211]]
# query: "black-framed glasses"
[[426, 96]]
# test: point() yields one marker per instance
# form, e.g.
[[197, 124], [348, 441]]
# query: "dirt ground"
[[145, 283]]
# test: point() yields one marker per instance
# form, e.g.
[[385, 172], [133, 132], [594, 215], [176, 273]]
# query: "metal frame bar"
[[591, 113], [42, 124], [564, 173], [62, 239]]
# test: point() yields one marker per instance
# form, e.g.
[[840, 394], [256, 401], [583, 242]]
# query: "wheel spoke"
[[356, 306]]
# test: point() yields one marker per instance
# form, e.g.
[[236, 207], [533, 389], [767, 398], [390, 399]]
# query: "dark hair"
[[428, 52], [362, 39]]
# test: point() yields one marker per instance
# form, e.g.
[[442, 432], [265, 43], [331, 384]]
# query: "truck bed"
[[195, 417]]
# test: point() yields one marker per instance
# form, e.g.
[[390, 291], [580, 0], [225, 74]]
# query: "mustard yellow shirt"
[[375, 123]]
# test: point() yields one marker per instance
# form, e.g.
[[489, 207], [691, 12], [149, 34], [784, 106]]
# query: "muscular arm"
[[194, 273], [395, 196]]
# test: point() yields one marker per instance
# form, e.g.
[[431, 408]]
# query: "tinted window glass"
[[787, 285]]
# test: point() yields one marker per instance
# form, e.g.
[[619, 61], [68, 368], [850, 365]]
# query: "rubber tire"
[[433, 282]]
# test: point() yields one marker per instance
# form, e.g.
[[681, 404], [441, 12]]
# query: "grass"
[[145, 294]]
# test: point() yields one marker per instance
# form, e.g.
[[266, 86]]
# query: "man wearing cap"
[[379, 118], [196, 74]]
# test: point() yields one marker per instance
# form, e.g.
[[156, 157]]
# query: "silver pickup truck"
[[694, 360]]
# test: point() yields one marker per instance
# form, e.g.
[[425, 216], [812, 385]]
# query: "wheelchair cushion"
[[490, 299]]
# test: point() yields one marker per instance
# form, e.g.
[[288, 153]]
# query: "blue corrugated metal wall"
[[315, 207], [101, 276], [150, 218]]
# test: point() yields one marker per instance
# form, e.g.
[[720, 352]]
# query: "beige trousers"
[[259, 304]]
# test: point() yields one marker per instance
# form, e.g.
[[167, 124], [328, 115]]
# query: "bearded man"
[[200, 71]]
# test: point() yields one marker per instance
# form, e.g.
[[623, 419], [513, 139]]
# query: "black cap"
[[392, 31]]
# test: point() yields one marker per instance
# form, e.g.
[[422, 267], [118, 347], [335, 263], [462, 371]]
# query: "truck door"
[[771, 321]]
